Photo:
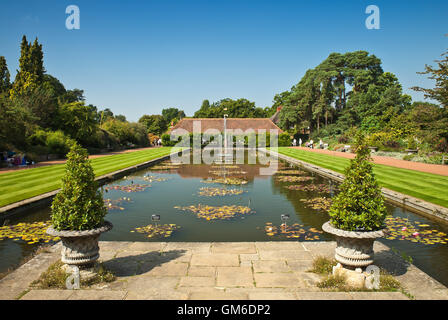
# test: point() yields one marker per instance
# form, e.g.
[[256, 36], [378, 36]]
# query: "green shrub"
[[412, 143], [343, 139], [50, 142], [409, 157], [284, 140], [38, 138], [442, 145], [323, 265], [166, 140], [58, 143], [79, 205], [359, 204]]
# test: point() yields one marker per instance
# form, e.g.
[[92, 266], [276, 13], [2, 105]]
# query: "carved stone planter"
[[80, 248], [354, 249]]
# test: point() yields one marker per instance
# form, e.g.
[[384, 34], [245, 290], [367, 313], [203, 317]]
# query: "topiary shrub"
[[359, 206], [79, 205]]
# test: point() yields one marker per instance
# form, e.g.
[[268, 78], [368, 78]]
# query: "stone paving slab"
[[216, 271]]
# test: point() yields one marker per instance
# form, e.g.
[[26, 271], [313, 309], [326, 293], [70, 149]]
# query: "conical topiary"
[[79, 205], [359, 206]]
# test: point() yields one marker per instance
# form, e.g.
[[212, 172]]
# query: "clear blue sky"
[[137, 57]]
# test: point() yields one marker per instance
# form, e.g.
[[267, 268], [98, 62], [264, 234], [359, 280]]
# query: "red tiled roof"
[[232, 123]]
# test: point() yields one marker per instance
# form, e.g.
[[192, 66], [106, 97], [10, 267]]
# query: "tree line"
[[351, 91], [344, 93], [39, 116]]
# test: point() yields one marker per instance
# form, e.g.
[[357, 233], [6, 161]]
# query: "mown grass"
[[23, 184], [426, 186]]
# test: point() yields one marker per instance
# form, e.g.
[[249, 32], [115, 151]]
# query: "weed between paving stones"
[[55, 277], [324, 267]]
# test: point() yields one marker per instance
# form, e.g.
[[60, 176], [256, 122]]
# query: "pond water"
[[256, 205]]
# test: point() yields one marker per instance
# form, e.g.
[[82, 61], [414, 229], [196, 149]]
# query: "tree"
[[75, 95], [347, 89], [170, 114], [204, 111], [120, 117], [154, 123], [41, 103], [79, 205], [15, 125], [241, 108], [440, 75], [105, 115], [359, 206], [54, 85], [77, 120], [31, 68], [5, 84]]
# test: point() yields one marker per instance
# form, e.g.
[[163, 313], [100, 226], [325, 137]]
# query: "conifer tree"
[[4, 77], [31, 68]]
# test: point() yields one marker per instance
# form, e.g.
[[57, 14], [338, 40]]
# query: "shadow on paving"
[[133, 265], [391, 262]]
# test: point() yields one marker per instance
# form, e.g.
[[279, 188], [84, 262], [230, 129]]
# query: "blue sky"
[[138, 57]]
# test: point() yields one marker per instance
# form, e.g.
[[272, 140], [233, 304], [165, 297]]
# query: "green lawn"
[[429, 187], [23, 184]]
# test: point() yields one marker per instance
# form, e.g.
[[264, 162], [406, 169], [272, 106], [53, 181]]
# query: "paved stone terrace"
[[218, 270]]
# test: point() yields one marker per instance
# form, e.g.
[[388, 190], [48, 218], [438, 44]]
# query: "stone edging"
[[414, 204]]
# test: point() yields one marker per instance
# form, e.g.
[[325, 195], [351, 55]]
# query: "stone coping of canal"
[[217, 271]]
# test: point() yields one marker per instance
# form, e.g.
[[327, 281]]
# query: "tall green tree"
[[241, 108], [77, 120], [154, 123], [170, 114], [5, 83], [31, 68], [440, 75]]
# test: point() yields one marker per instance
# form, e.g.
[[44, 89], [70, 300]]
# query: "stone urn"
[[354, 249], [80, 248]]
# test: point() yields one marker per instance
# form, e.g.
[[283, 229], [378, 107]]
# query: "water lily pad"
[[157, 230], [291, 172], [318, 203], [214, 213], [230, 181], [311, 187], [213, 192], [151, 178], [295, 231], [29, 232], [398, 228], [293, 178], [226, 173], [116, 204], [128, 188]]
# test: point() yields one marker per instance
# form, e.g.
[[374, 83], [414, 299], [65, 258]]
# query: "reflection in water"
[[162, 189]]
